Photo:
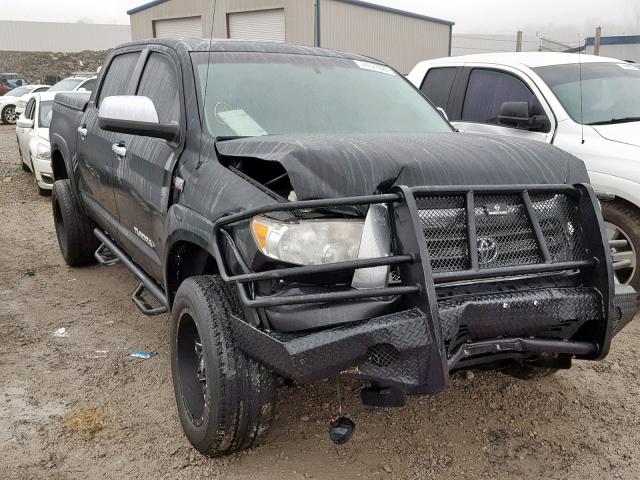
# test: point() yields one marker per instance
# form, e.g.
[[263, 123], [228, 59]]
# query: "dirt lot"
[[80, 407]]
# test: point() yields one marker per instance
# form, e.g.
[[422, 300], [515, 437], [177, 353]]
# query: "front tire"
[[8, 114], [73, 228], [225, 400], [623, 223]]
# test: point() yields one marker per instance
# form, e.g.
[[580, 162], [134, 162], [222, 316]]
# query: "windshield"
[[251, 94], [66, 85], [609, 91], [44, 115], [18, 92]]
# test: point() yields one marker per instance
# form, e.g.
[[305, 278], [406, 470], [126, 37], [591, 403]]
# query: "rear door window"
[[438, 84], [159, 82], [118, 75], [487, 90]]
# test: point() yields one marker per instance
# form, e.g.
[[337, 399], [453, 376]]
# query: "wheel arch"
[[624, 190], [58, 166], [59, 156], [187, 257], [188, 248]]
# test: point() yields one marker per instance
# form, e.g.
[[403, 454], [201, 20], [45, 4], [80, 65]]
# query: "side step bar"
[[146, 282], [105, 256]]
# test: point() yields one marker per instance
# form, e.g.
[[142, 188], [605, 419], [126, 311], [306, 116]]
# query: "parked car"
[[586, 105], [9, 101], [9, 81], [304, 214], [32, 131], [85, 83]]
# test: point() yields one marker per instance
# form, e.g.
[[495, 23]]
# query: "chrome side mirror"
[[134, 115]]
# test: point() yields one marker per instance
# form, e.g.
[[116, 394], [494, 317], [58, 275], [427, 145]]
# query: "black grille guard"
[[413, 260]]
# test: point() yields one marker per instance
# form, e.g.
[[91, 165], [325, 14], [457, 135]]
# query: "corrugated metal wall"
[[399, 40], [142, 22], [299, 16], [60, 37]]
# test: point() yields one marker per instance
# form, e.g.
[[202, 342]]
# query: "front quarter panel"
[[613, 167]]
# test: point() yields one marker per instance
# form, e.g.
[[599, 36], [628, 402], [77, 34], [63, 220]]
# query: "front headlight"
[[43, 151], [308, 242]]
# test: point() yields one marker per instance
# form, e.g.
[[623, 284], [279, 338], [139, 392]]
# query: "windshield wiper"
[[616, 120]]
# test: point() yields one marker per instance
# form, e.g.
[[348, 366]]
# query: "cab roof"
[[183, 46]]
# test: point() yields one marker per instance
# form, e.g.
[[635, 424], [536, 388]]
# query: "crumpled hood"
[[329, 166], [628, 133]]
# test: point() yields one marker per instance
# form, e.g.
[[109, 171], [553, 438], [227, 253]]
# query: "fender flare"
[[59, 144], [185, 225]]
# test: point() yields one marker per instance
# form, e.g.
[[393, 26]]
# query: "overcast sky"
[[562, 20]]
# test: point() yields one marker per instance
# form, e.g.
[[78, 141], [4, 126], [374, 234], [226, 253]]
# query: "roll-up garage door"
[[190, 27], [257, 25]]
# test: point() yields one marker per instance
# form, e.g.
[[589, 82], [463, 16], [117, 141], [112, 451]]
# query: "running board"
[[143, 305], [147, 284]]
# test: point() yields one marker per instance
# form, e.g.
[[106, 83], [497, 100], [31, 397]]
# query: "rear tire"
[[225, 400], [73, 228], [626, 220]]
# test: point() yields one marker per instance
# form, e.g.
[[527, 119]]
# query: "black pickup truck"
[[305, 214]]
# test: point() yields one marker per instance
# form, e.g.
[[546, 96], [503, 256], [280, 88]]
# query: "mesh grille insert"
[[505, 235], [558, 218], [382, 354], [444, 223]]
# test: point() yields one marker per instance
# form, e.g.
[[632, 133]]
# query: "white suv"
[[586, 105]]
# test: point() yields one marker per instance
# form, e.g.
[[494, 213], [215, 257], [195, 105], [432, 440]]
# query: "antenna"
[[581, 98], [206, 80]]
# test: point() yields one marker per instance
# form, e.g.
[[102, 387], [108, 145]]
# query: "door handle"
[[82, 131], [119, 150]]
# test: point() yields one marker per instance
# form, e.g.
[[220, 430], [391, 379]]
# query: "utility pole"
[[596, 44], [316, 41], [519, 41]]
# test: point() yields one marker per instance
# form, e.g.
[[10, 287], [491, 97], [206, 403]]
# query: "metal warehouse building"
[[396, 37], [624, 47]]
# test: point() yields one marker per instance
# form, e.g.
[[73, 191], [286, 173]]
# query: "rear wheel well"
[[187, 260], [58, 166]]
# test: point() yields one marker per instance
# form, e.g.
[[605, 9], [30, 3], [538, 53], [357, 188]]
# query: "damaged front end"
[[443, 279]]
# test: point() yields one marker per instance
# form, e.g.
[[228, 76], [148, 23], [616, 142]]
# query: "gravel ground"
[[80, 407]]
